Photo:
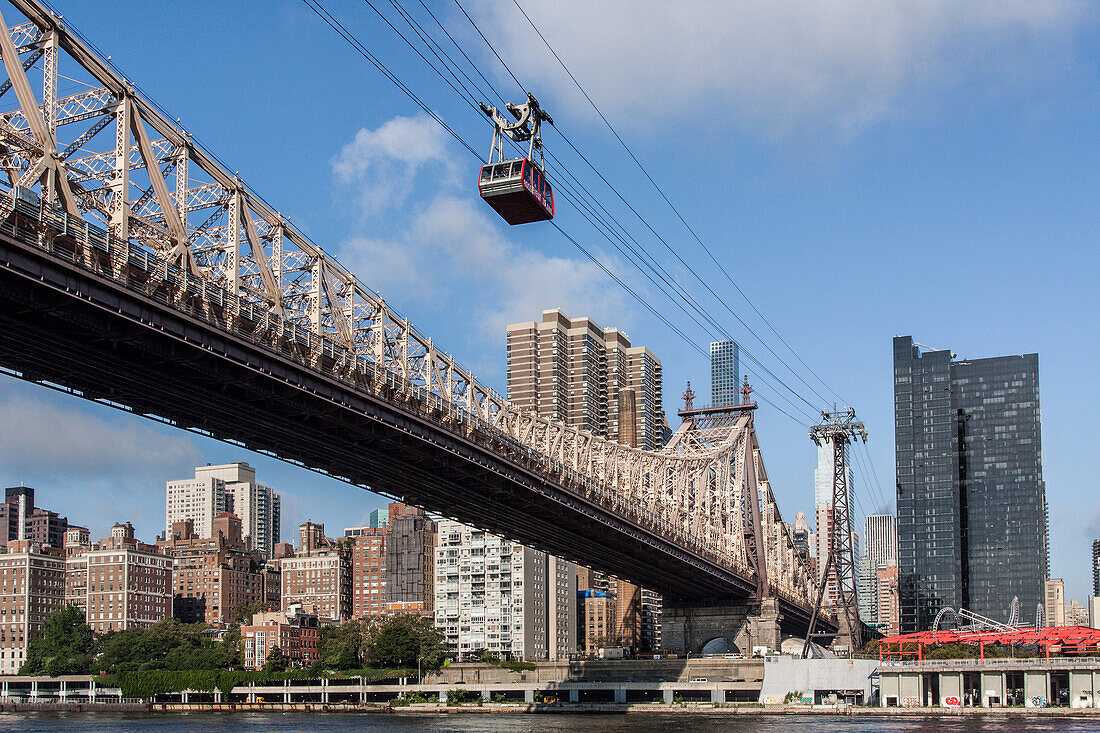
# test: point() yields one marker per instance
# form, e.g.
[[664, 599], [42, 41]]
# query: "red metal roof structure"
[[1069, 639]]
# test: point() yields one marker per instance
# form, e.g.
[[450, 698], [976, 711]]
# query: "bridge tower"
[[839, 428]]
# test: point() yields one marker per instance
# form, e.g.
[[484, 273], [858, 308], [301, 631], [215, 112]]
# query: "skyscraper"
[[226, 488], [972, 514], [880, 571], [801, 535], [497, 596], [882, 540], [572, 370], [725, 373], [590, 377], [1096, 567]]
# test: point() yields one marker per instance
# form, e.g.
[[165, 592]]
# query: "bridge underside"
[[63, 325]]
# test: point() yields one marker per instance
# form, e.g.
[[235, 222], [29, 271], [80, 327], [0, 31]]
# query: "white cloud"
[[508, 281], [776, 66], [448, 252], [385, 162]]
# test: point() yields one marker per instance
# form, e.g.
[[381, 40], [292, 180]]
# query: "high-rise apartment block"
[[1096, 567], [1054, 600], [972, 513], [725, 373], [119, 582], [866, 592], [318, 576], [572, 370], [494, 595], [226, 488], [368, 573], [32, 584], [590, 377], [410, 560], [20, 519], [889, 609], [215, 574], [595, 619]]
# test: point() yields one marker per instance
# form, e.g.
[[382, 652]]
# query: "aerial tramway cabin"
[[517, 190]]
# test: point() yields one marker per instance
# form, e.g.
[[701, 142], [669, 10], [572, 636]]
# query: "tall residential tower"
[[725, 373], [972, 512], [227, 488], [573, 370]]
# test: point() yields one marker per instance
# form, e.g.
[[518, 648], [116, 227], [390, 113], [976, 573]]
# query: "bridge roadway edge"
[[107, 342]]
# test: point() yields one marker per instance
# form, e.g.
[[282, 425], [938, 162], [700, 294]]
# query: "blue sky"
[[864, 170]]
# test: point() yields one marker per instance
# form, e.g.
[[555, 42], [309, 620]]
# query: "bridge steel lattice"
[[136, 270]]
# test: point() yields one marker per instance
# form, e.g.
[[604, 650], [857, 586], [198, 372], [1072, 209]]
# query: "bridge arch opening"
[[720, 645]]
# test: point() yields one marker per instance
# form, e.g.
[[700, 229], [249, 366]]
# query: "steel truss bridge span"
[[241, 328]]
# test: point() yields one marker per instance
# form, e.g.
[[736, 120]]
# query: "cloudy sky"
[[861, 169]]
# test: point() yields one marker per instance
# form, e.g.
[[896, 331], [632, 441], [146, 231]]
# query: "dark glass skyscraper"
[[972, 516]]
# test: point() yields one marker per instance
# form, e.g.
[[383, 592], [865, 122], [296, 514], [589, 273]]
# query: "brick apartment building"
[[20, 519], [32, 584], [295, 632], [119, 582], [213, 575], [319, 574]]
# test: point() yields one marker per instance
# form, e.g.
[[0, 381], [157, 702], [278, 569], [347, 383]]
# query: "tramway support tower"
[[838, 429]]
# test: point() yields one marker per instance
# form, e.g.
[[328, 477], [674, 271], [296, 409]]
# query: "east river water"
[[548, 723]]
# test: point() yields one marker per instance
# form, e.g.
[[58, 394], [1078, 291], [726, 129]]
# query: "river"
[[547, 723]]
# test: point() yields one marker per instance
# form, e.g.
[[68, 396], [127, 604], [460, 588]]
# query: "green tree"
[[403, 639], [63, 647], [276, 662], [167, 644], [340, 647], [230, 654], [242, 613]]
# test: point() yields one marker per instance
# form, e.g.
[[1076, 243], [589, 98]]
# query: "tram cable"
[[675, 210], [349, 37], [646, 223], [638, 250]]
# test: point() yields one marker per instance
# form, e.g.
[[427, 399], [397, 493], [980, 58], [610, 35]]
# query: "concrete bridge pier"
[[687, 628]]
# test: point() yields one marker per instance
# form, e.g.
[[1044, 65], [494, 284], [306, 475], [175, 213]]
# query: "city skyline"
[[89, 475]]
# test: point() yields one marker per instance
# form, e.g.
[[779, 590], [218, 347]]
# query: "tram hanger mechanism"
[[517, 188]]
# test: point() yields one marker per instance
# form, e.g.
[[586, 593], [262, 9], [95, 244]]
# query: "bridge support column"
[[686, 628], [762, 629]]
